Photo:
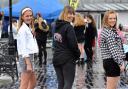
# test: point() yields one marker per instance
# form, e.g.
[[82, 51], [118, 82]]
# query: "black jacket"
[[66, 48], [79, 31], [41, 34], [90, 34]]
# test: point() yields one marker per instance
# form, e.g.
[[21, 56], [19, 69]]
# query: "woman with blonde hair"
[[79, 27], [41, 30], [112, 51], [66, 50], [27, 46]]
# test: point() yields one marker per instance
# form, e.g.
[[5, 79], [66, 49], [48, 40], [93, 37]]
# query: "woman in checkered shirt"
[[112, 51]]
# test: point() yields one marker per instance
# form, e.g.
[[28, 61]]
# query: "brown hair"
[[66, 10], [105, 18], [79, 20], [92, 19], [20, 22]]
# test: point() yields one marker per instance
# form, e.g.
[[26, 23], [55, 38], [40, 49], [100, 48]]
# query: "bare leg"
[[32, 81], [112, 82], [79, 46], [25, 76], [82, 50]]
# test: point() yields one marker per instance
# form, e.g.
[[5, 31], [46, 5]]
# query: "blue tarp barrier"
[[49, 9]]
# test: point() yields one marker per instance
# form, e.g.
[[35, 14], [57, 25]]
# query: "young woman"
[[42, 30], [112, 51], [27, 46], [90, 35], [66, 50], [79, 27]]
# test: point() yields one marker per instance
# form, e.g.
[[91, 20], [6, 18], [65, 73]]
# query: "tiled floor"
[[87, 76]]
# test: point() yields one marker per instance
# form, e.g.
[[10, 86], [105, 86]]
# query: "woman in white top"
[[27, 46]]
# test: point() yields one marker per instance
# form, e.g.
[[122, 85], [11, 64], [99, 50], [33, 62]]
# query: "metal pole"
[[10, 15], [11, 48]]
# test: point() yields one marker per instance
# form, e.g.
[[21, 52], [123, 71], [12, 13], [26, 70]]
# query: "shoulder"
[[106, 32], [69, 27], [23, 28]]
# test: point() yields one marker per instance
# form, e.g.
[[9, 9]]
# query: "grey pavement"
[[87, 76]]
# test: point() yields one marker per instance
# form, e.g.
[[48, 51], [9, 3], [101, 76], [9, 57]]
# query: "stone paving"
[[89, 76]]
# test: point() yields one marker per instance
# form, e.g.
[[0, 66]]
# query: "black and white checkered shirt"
[[111, 46]]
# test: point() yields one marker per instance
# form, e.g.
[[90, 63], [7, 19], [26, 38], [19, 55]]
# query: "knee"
[[68, 86]]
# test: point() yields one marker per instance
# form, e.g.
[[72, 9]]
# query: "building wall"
[[65, 2], [108, 1], [101, 1], [123, 18], [4, 3]]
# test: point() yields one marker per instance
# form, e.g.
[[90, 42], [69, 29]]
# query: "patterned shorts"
[[22, 64]]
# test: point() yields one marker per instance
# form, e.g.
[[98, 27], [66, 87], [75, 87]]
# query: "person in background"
[[112, 52], [1, 28], [90, 36], [66, 50], [53, 24], [1, 22], [79, 27], [124, 40], [5, 24], [121, 34], [15, 31], [1, 15], [42, 30], [27, 47]]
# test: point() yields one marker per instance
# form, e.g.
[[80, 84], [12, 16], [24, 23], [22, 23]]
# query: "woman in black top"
[[79, 27], [90, 35], [42, 30], [66, 50], [112, 51]]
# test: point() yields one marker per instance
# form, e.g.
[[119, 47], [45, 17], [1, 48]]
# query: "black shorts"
[[111, 68]]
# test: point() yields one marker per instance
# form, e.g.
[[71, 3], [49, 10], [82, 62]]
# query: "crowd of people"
[[74, 40]]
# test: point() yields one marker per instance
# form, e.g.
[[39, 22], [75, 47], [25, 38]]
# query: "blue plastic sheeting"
[[49, 9]]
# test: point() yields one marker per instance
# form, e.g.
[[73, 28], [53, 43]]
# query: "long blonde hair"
[[105, 18], [20, 22], [79, 20], [39, 21]]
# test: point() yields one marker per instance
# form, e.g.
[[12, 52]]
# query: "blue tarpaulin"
[[49, 9]]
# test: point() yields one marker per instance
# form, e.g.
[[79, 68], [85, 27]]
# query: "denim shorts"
[[22, 64]]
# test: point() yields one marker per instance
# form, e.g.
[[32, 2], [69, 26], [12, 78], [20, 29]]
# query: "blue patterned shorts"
[[22, 64]]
